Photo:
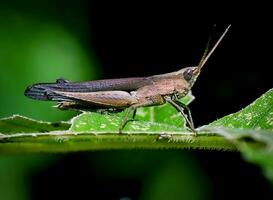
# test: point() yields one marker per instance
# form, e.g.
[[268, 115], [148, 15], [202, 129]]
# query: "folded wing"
[[49, 91]]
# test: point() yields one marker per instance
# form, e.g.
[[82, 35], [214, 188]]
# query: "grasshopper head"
[[190, 74]]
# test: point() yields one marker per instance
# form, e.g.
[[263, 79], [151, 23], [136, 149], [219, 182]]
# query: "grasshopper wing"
[[42, 91], [113, 99]]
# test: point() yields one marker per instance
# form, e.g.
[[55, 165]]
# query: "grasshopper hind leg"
[[133, 108], [125, 119]]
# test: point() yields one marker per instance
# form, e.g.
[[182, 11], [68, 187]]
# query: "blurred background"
[[41, 41]]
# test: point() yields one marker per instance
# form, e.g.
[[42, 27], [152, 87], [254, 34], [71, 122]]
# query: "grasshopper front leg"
[[188, 110]]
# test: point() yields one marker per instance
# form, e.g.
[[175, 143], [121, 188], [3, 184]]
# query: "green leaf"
[[20, 124], [83, 135], [251, 129], [109, 123], [254, 122], [260, 156], [258, 115], [155, 119]]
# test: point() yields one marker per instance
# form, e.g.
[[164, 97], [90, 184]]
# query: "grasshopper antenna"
[[206, 55]]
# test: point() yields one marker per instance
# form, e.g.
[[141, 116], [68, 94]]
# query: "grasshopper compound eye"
[[187, 74]]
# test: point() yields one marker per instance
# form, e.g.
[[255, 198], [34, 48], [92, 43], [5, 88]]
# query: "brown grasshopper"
[[122, 93]]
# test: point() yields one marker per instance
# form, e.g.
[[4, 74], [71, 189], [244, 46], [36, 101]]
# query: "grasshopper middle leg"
[[180, 108]]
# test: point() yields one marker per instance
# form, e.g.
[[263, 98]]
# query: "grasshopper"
[[131, 93]]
